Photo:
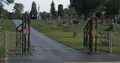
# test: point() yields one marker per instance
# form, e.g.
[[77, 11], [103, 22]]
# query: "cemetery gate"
[[88, 35], [24, 28]]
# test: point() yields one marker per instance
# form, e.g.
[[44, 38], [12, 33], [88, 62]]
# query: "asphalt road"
[[49, 50]]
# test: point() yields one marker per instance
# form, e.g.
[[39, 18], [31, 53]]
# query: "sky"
[[44, 4]]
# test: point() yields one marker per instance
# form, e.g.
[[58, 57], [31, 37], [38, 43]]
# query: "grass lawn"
[[65, 37], [8, 25]]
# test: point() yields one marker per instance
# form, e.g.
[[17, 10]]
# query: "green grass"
[[7, 25], [65, 37]]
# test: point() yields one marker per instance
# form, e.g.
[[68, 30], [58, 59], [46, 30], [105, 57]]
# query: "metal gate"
[[106, 42], [10, 42]]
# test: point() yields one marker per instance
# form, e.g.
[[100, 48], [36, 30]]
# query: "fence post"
[[111, 41], [101, 40], [5, 42]]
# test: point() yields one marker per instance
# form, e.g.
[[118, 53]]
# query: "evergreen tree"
[[52, 11], [33, 12], [60, 10]]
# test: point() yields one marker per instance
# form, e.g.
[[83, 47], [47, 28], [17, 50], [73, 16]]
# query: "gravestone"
[[53, 27], [2, 18], [54, 22], [115, 20], [41, 24], [65, 26], [71, 24], [78, 24], [50, 20], [58, 18], [0, 27], [113, 27], [75, 34], [98, 25]]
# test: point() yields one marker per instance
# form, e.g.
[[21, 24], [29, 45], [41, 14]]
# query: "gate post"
[[111, 41], [91, 36]]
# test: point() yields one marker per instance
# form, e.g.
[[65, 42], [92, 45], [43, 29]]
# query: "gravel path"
[[49, 50]]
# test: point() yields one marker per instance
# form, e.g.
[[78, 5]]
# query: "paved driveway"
[[49, 50]]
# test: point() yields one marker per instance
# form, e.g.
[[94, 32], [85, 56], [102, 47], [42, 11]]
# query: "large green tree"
[[52, 11], [85, 6], [60, 10], [18, 9], [112, 8], [33, 12], [44, 15]]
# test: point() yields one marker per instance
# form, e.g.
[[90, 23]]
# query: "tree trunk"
[[86, 16]]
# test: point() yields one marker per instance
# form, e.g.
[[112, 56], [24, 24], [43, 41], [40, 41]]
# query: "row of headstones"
[[71, 23]]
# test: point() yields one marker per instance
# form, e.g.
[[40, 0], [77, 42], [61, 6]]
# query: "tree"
[[33, 12], [85, 6], [52, 11], [2, 11], [72, 12], [112, 8], [6, 2], [60, 10], [18, 8], [44, 15]]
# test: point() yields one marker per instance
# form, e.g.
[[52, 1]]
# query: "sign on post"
[[26, 31], [94, 32]]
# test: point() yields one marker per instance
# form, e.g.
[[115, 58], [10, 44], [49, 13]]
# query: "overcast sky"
[[44, 4]]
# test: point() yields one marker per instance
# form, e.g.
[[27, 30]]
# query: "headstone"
[[98, 25], [0, 27], [115, 20], [78, 24], [107, 21], [54, 21], [71, 24], [64, 22], [113, 27], [50, 18], [65, 26], [58, 18], [2, 18], [45, 19], [75, 34], [41, 24], [53, 27]]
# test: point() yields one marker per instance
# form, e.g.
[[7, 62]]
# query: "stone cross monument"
[[38, 15]]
